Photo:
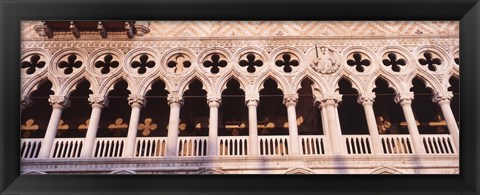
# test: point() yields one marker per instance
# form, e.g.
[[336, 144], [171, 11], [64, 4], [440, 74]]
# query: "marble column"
[[405, 100], [367, 100], [213, 103], [443, 100], [290, 101], [175, 101], [58, 104], [328, 104], [252, 103], [98, 102], [136, 102]]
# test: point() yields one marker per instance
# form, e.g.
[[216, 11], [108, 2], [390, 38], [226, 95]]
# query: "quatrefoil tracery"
[[179, 62], [70, 64], [358, 62], [287, 62], [394, 61], [250, 63], [106, 64], [430, 61], [143, 64], [32, 64], [216, 62]]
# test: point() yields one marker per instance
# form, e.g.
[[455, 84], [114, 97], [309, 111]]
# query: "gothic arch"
[[233, 74], [391, 81], [430, 82], [356, 84], [147, 84], [183, 86], [282, 83], [109, 86], [386, 170], [299, 170], [317, 83], [72, 85], [32, 84]]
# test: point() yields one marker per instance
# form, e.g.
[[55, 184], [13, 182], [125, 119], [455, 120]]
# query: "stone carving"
[[98, 101], [136, 100], [325, 60], [59, 102], [179, 62]]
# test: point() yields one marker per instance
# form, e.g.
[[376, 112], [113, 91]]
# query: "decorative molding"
[[59, 102], [404, 98], [98, 100], [443, 97], [135, 100]]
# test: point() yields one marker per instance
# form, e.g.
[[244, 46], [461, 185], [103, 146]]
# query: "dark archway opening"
[[115, 117], [389, 115], [194, 114], [350, 112], [155, 115], [428, 115], [455, 102], [35, 117], [75, 118], [233, 114], [309, 119], [272, 113]]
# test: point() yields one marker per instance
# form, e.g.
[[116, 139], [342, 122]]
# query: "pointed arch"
[[105, 89], [282, 83], [318, 84], [233, 74], [71, 85], [430, 81], [391, 81], [356, 84], [183, 84], [32, 84], [146, 85]]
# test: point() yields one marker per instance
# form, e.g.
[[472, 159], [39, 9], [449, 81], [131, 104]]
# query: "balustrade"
[[67, 147], [150, 146], [312, 145], [233, 146], [396, 144], [438, 144], [109, 147], [30, 147], [192, 146], [274, 145], [357, 144]]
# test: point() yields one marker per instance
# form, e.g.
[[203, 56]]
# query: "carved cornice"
[[59, 102], [135, 100]]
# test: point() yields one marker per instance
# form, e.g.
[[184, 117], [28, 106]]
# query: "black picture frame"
[[12, 12]]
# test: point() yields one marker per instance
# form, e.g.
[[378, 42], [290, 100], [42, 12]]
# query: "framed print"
[[211, 97]]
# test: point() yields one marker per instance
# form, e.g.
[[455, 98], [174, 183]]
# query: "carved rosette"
[[59, 102], [98, 101], [323, 60], [404, 98], [290, 100], [442, 97], [366, 98], [136, 100]]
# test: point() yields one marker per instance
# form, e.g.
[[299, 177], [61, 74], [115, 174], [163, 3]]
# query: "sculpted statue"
[[324, 61]]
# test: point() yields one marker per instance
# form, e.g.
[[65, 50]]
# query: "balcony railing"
[[310, 145], [29, 148], [232, 146], [150, 147], [274, 145], [109, 147], [396, 144], [438, 144], [358, 144], [67, 148], [192, 146]]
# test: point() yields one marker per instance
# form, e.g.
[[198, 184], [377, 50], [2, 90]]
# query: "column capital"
[[135, 100], [59, 101], [290, 99], [252, 99], [442, 97], [404, 98], [366, 98], [97, 100], [214, 101], [328, 99], [25, 102], [175, 99]]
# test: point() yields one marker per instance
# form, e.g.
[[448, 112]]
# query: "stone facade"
[[250, 52]]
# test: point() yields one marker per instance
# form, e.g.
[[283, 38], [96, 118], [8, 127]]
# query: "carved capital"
[[442, 97], [99, 101], [366, 98], [214, 101], [404, 98], [135, 100], [328, 99], [59, 102], [175, 100], [252, 99], [290, 99]]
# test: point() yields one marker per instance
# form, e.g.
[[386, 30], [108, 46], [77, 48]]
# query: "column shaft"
[[132, 132], [372, 128], [252, 127], [293, 129], [50, 133], [213, 126], [451, 123], [412, 128], [87, 149], [172, 137]]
